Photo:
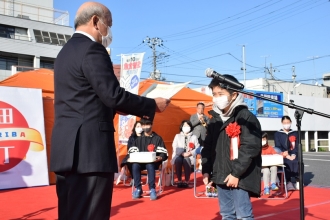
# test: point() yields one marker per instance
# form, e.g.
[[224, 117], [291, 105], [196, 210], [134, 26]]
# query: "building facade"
[[31, 35]]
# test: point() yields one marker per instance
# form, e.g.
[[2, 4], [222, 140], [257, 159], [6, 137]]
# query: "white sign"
[[130, 72], [166, 91], [23, 159]]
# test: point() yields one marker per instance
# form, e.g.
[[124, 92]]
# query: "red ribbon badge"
[[233, 130], [151, 147], [292, 140], [191, 145]]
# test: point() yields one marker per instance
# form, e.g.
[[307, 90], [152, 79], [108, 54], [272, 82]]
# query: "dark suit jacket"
[[87, 95]]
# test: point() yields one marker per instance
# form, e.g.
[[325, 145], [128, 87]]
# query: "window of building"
[[54, 38], [38, 36], [46, 37], [67, 37], [47, 64], [61, 39], [50, 37], [13, 32], [7, 62], [7, 31]]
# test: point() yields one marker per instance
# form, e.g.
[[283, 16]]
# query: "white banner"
[[130, 72], [23, 159]]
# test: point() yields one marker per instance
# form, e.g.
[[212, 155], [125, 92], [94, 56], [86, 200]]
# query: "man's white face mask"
[[106, 40]]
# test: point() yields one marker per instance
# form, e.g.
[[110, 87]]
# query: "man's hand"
[[206, 179], [231, 181], [161, 104]]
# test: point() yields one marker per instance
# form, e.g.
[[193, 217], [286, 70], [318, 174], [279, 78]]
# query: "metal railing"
[[33, 12]]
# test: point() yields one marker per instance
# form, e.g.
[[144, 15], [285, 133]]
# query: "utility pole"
[[266, 56], [244, 69], [152, 43], [294, 79]]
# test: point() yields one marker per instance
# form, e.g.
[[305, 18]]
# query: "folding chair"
[[196, 194], [160, 173], [124, 174], [280, 170]]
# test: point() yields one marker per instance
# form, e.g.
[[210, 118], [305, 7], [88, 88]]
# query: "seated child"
[[269, 173]]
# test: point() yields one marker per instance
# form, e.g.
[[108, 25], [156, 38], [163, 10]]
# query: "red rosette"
[[233, 130], [292, 138], [191, 145], [151, 147]]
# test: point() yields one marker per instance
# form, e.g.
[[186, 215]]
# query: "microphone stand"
[[298, 116]]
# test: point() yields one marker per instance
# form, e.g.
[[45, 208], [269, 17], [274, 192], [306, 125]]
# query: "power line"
[[265, 22], [212, 24]]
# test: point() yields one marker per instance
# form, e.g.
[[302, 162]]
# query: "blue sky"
[[201, 34]]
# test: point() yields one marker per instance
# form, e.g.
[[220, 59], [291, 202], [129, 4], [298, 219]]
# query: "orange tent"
[[166, 124]]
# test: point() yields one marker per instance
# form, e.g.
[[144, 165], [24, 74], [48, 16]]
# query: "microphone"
[[213, 74]]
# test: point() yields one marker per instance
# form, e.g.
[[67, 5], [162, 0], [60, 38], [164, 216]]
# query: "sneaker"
[[208, 191], [274, 187], [290, 187], [137, 193], [266, 191], [153, 194]]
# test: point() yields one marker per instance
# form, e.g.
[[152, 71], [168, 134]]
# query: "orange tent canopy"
[[166, 124]]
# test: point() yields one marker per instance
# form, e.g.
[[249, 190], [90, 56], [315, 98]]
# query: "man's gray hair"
[[86, 14]]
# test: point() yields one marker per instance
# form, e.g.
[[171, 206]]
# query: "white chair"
[[199, 195], [280, 170], [124, 176], [160, 173]]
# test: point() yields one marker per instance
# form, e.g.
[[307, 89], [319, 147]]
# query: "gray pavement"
[[317, 169]]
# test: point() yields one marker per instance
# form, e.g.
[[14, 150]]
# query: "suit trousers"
[[84, 196]]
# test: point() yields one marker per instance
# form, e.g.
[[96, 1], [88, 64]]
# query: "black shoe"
[[184, 185], [179, 185]]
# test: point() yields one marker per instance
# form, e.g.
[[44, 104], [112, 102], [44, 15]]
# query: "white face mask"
[[106, 40], [138, 130], [263, 143], [221, 102], [185, 129], [287, 126]]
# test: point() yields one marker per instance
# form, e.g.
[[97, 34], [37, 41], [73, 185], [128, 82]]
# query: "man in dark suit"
[[87, 97], [199, 122]]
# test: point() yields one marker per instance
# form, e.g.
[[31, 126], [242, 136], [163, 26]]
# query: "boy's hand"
[[231, 181]]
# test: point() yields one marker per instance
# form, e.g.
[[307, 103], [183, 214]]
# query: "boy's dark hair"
[[215, 82], [264, 135], [145, 121]]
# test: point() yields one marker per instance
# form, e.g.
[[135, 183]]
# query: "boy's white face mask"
[[221, 102]]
